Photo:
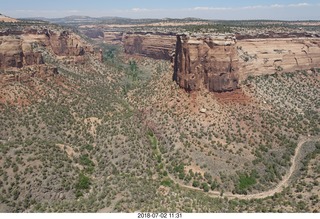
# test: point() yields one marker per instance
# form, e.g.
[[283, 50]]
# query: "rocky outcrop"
[[206, 63], [218, 63], [21, 53], [30, 57], [153, 45], [14, 52], [20, 59], [44, 72], [17, 47]]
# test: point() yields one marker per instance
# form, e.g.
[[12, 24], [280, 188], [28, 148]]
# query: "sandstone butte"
[[219, 62], [19, 49]]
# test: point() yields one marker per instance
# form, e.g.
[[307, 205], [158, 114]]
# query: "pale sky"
[[206, 9]]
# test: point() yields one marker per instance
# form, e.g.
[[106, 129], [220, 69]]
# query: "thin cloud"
[[140, 9], [24, 11], [276, 6], [299, 5], [72, 11], [210, 8], [145, 10], [250, 7]]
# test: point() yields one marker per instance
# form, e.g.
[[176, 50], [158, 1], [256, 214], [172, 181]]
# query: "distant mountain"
[[78, 19]]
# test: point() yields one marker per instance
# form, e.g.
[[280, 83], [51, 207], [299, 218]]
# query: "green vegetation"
[[153, 140], [166, 182], [205, 187], [82, 184], [84, 160], [245, 182], [195, 183]]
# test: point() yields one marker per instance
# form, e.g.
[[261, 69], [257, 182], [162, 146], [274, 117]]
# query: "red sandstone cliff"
[[206, 63], [14, 52], [218, 63], [67, 44]]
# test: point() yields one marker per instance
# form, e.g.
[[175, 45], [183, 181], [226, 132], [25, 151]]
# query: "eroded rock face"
[[17, 48], [21, 56], [16, 53], [219, 63], [30, 57], [206, 63], [157, 45]]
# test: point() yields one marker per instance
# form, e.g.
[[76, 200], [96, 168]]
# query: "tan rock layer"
[[267, 56]]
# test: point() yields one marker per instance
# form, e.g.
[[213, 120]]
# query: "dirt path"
[[283, 183]]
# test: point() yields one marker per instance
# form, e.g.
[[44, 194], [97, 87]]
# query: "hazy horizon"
[[203, 9]]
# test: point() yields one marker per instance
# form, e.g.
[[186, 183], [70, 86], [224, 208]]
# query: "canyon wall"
[[218, 63], [149, 44], [157, 45]]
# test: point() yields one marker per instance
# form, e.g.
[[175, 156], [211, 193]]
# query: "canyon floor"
[[119, 135]]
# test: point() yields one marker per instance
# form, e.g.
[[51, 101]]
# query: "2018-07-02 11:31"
[[159, 215]]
